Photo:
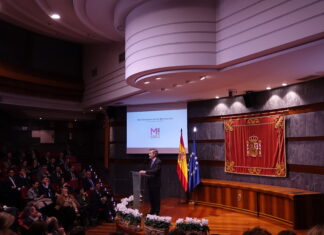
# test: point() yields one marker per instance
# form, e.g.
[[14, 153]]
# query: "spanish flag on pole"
[[182, 167]]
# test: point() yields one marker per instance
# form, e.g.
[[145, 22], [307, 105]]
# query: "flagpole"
[[191, 202], [182, 193]]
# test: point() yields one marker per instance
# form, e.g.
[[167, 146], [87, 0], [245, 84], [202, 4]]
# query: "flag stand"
[[182, 196]]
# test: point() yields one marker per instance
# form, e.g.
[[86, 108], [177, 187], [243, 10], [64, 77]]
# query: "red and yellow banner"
[[182, 167], [256, 146]]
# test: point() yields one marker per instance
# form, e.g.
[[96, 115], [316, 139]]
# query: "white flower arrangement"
[[155, 221], [133, 216], [192, 224]]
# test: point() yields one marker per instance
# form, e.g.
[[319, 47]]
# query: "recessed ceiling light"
[[100, 108], [202, 78], [217, 97], [91, 110], [147, 82], [158, 78], [284, 84], [268, 88], [55, 16], [75, 120], [40, 118]]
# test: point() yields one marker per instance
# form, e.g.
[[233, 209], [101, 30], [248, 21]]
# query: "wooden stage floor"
[[221, 221]]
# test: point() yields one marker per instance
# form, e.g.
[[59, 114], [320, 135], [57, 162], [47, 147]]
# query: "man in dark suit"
[[154, 181]]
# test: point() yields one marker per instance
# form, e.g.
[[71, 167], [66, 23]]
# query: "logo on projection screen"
[[155, 132]]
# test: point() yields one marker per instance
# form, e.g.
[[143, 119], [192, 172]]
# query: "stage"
[[221, 221]]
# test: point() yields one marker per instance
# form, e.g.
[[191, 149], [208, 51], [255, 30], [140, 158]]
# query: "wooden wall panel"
[[298, 208]]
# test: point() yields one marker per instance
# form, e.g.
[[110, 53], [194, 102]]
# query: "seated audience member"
[[83, 200], [67, 206], [316, 230], [46, 159], [30, 215], [257, 231], [9, 161], [88, 182], [53, 227], [287, 232], [51, 165], [67, 164], [34, 168], [6, 221], [43, 172], [46, 190], [57, 175], [72, 178], [61, 159], [12, 190], [39, 200], [101, 204], [24, 165], [22, 179]]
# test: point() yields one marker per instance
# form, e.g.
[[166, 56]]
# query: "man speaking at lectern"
[[154, 181]]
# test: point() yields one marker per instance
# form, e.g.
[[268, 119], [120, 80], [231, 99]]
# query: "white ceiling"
[[101, 21]]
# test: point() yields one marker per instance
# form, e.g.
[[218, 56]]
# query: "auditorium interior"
[[70, 70]]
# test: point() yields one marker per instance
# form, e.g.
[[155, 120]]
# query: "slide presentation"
[[156, 127]]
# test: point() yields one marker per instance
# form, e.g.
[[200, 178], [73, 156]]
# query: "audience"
[[24, 184]]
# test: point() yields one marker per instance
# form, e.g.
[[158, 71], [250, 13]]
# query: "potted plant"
[[157, 225], [128, 217], [193, 225]]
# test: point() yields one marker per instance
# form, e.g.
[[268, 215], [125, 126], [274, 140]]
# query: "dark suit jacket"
[[154, 172], [87, 184]]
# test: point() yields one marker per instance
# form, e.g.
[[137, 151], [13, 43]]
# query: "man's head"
[[153, 153]]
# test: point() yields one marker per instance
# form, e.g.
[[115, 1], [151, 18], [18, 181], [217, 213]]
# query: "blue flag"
[[193, 171]]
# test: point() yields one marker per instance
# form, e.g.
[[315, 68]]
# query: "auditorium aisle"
[[223, 222]]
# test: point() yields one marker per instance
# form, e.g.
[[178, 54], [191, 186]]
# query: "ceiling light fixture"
[[158, 78], [202, 78], [268, 88], [284, 84], [55, 16], [40, 118], [91, 110], [147, 82], [217, 97]]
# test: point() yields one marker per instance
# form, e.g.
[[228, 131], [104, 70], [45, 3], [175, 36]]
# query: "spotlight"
[[55, 16]]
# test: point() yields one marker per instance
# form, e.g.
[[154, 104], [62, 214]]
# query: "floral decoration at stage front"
[[193, 225], [158, 225], [131, 218]]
